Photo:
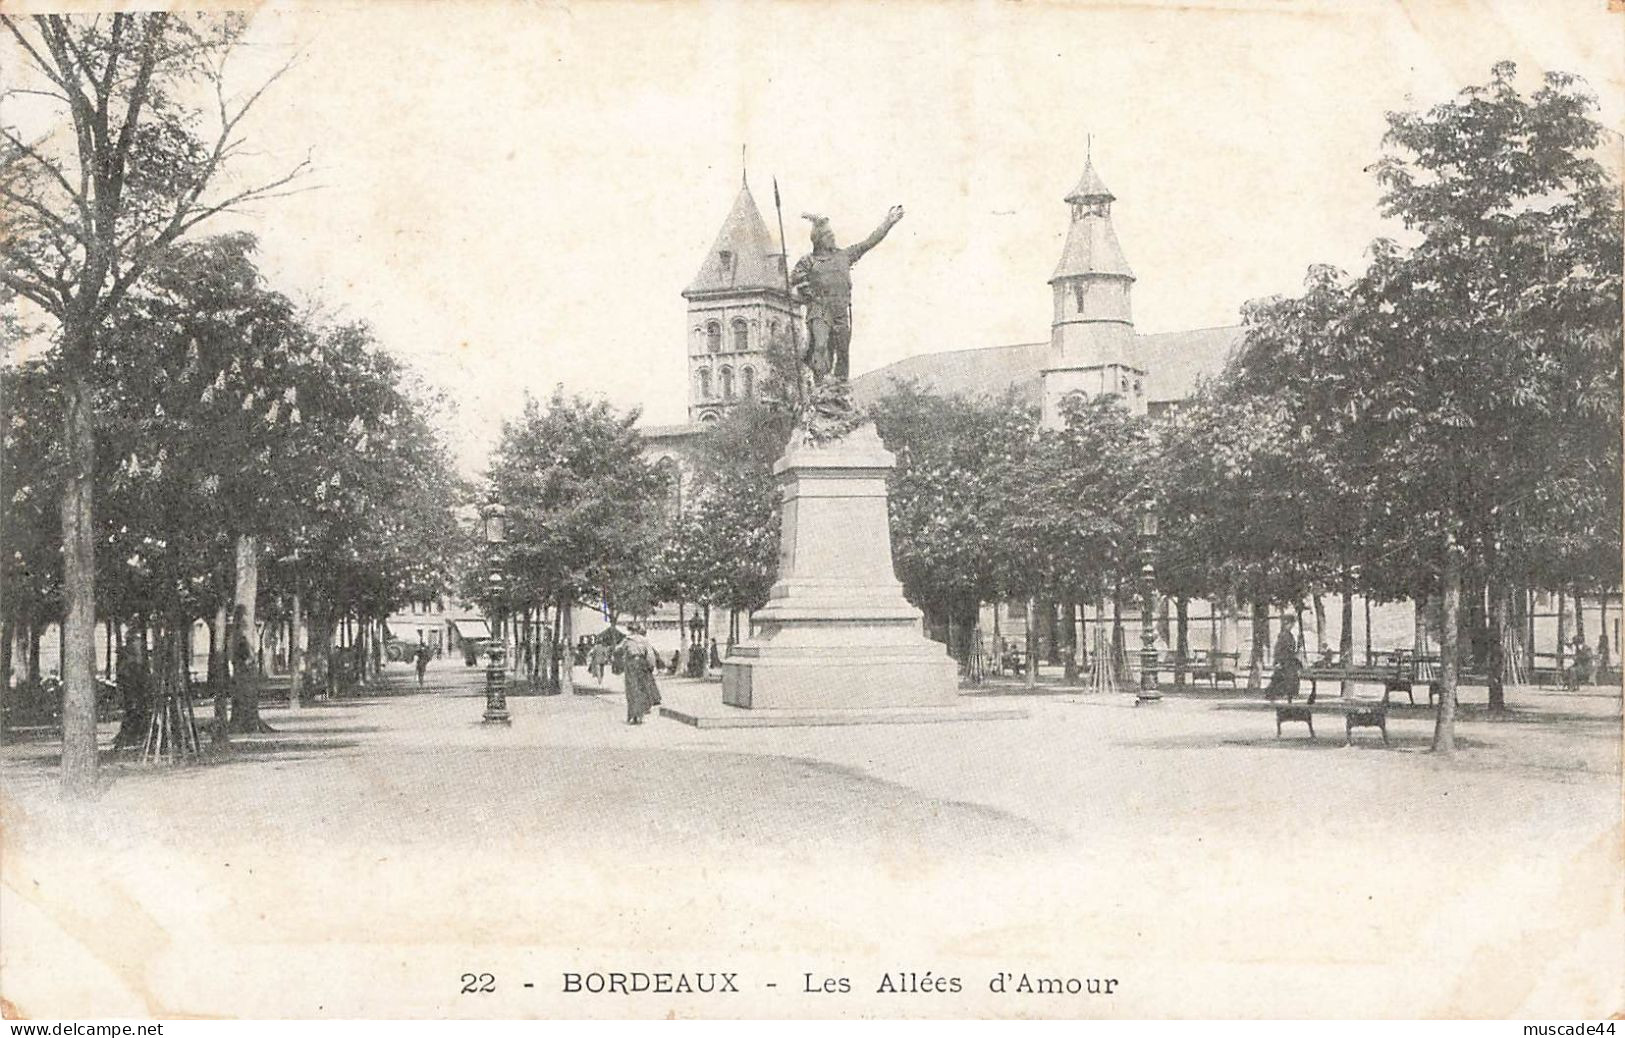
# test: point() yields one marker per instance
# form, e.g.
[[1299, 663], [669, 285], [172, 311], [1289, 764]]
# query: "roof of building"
[[744, 256], [990, 370], [1090, 186], [1092, 248], [671, 432], [1173, 361]]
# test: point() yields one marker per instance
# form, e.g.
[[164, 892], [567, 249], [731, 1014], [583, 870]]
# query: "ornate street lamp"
[[1148, 592], [494, 520]]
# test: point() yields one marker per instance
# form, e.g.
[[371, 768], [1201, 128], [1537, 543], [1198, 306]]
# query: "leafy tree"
[[1076, 527], [952, 498], [1300, 358], [584, 505], [126, 171], [1480, 382], [724, 547]]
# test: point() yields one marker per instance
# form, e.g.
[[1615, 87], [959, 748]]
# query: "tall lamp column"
[[496, 668], [1148, 692]]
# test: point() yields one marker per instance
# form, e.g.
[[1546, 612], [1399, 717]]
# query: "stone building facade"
[[738, 310]]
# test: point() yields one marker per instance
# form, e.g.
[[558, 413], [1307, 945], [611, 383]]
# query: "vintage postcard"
[[811, 509]]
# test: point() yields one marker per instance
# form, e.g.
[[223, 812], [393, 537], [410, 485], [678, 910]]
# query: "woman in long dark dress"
[[638, 663], [1284, 678]]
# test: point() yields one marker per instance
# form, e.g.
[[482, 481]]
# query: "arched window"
[[708, 417], [705, 383], [747, 382], [727, 383], [774, 340], [713, 337], [741, 335]]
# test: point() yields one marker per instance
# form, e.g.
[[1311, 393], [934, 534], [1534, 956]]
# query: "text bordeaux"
[[635, 983]]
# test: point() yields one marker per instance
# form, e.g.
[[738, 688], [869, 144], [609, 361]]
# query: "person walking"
[[421, 659], [1583, 674], [1284, 678], [638, 664]]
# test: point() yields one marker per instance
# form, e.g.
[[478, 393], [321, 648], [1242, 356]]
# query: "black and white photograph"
[[812, 509]]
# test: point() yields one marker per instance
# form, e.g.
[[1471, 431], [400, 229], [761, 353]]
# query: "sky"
[[514, 194]]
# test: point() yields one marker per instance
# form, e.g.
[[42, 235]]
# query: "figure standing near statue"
[[822, 281]]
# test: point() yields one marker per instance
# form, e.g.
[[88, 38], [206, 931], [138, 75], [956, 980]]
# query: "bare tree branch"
[[50, 167], [47, 68], [45, 211], [31, 291]]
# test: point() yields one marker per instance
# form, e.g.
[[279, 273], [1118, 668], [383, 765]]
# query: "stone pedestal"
[[837, 634]]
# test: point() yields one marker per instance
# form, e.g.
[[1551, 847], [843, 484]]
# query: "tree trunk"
[[1366, 601], [219, 676], [1320, 625], [1032, 643], [1045, 649], [245, 687], [1603, 660], [1497, 647], [1069, 616], [1261, 645], [1419, 626], [1562, 629], [34, 635], [332, 653], [1182, 646], [296, 659], [8, 631], [567, 680], [79, 754], [1444, 726], [1529, 633], [998, 639], [1119, 644], [1579, 614], [1229, 625], [1345, 640]]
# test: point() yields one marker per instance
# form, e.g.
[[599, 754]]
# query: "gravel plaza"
[[1181, 849]]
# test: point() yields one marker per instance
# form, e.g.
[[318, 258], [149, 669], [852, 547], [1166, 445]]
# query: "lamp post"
[[494, 517], [1148, 692], [695, 626]]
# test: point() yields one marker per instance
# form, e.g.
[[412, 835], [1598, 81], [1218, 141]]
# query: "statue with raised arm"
[[822, 281]]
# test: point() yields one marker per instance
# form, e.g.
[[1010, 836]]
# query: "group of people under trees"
[[1284, 678]]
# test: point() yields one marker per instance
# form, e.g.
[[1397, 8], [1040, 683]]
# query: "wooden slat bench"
[[1357, 713], [1398, 677], [1215, 667]]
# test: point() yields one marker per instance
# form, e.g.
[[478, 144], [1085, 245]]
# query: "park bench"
[[1357, 713], [1399, 675], [1215, 667]]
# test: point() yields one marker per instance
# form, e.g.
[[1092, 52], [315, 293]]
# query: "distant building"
[[1093, 346], [738, 310]]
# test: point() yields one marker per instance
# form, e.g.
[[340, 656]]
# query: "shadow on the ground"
[[1015, 691], [241, 751], [288, 727], [1299, 741]]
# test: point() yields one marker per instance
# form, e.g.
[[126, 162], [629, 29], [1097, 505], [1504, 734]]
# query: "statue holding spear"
[[822, 282]]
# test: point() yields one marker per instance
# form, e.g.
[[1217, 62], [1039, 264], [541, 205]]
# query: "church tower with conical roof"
[[1092, 340], [738, 310]]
